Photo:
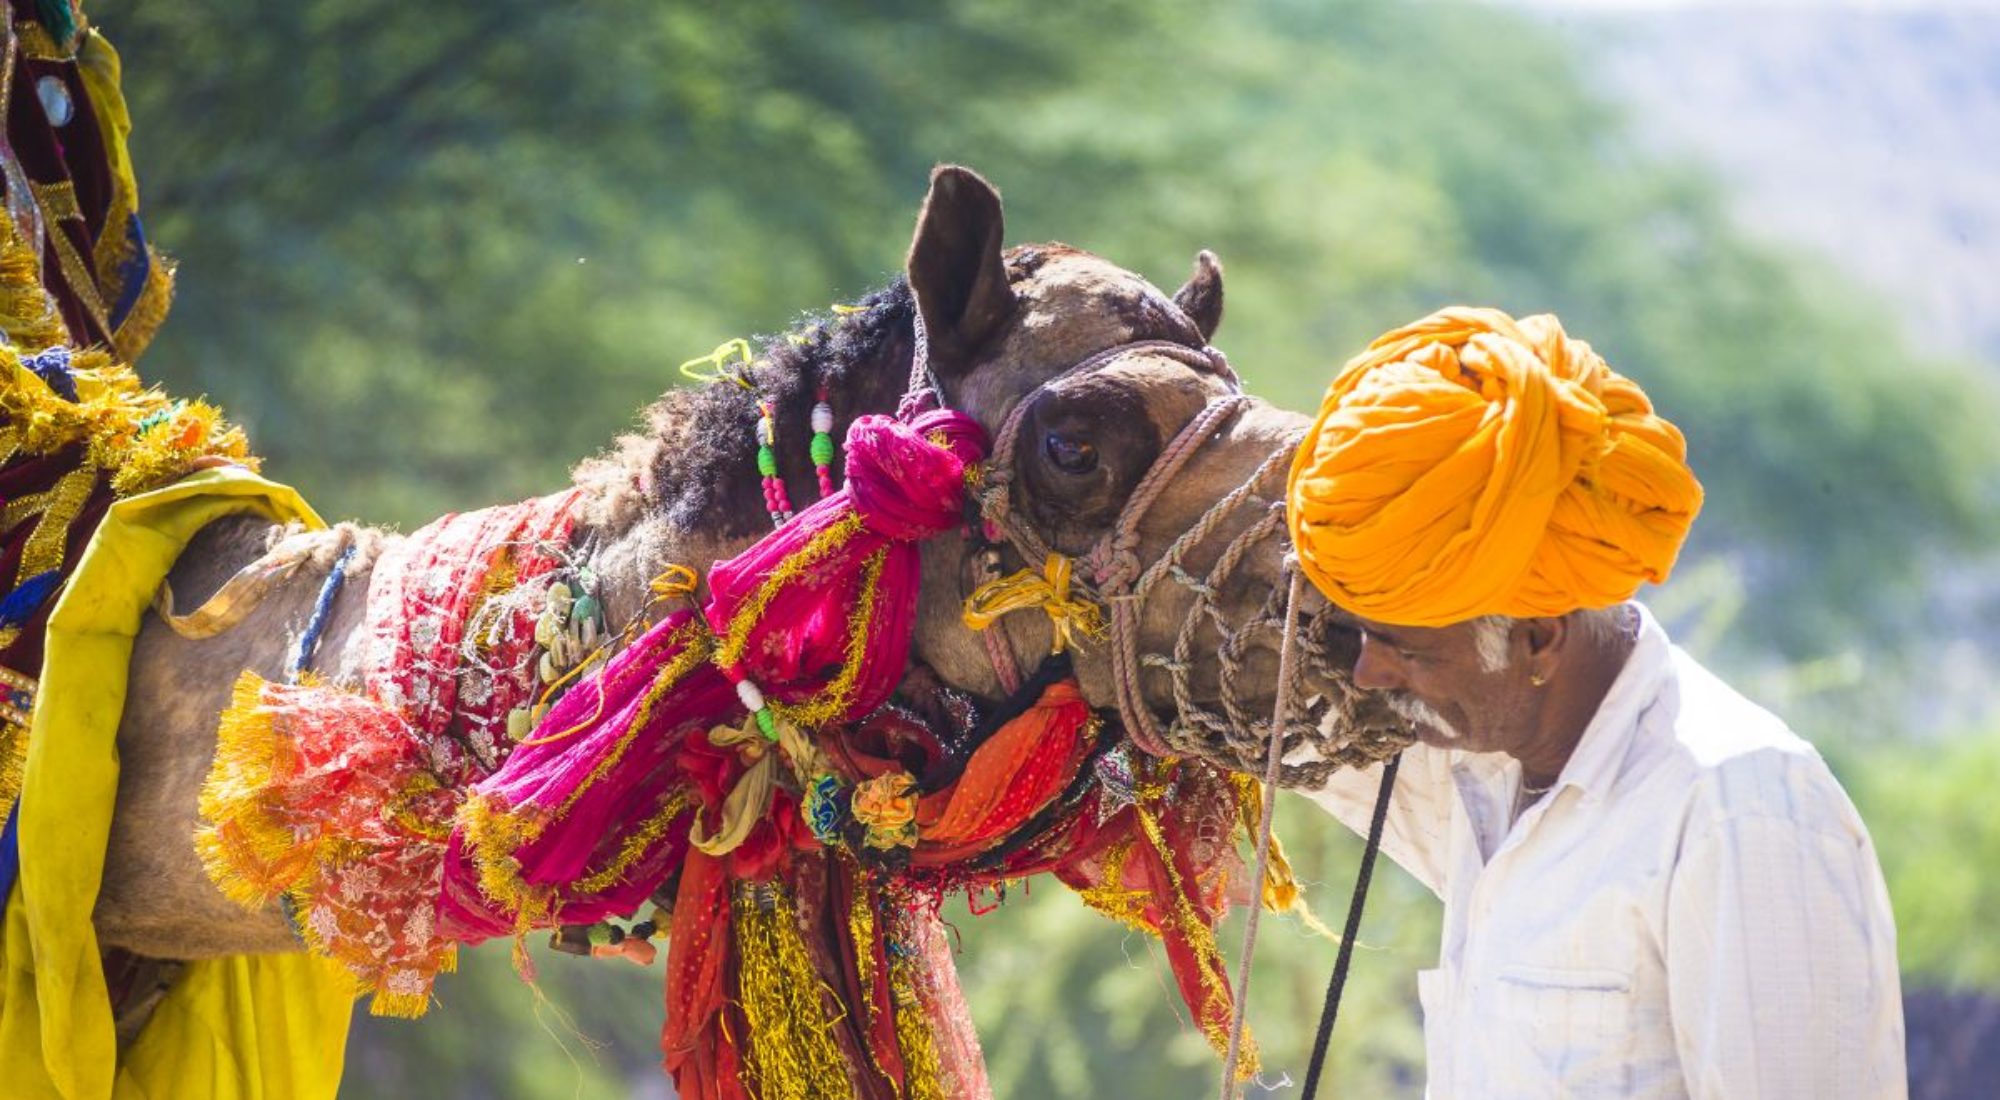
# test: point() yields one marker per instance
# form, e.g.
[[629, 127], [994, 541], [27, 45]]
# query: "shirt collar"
[[1601, 752]]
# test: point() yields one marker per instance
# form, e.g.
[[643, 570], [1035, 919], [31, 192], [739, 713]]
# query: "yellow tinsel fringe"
[[493, 831], [142, 322], [1281, 892], [923, 1073], [790, 1052], [1201, 940], [1113, 898], [833, 700], [139, 436], [737, 636], [636, 843], [250, 854]]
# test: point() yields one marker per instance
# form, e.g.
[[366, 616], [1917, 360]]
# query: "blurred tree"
[[432, 254]]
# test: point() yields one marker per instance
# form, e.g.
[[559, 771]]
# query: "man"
[[1652, 888]]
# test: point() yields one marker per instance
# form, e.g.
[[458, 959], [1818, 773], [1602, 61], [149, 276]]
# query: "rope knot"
[[1069, 617]]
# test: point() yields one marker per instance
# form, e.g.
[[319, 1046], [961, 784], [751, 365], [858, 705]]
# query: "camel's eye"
[[1069, 454]]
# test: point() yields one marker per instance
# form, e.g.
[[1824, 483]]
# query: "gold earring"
[[1537, 680]]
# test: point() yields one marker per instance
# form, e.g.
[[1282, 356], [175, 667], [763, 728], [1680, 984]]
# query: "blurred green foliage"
[[433, 254]]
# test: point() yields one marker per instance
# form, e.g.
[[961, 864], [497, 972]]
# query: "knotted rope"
[[1233, 737]]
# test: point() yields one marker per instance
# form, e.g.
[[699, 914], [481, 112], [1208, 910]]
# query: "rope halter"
[[1236, 736]]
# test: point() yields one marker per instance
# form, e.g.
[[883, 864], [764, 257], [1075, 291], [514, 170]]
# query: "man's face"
[[1437, 678]]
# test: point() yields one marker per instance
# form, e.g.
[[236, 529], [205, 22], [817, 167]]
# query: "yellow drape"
[[1470, 464], [242, 1028]]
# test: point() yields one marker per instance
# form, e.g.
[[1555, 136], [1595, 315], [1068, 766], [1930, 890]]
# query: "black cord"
[[1339, 980]]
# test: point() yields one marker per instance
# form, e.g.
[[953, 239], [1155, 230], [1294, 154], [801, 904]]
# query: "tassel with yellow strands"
[[1069, 617]]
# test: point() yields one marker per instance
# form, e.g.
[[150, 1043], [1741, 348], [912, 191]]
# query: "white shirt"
[[1694, 911]]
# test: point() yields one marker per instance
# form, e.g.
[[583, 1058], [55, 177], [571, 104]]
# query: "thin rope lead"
[[1338, 982], [302, 655], [1265, 822]]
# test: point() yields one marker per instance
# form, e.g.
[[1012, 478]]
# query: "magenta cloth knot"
[[818, 613], [908, 480]]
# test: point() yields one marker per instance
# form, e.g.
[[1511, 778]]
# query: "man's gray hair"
[[1598, 626]]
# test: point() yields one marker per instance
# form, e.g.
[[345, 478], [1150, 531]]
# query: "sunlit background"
[[432, 254]]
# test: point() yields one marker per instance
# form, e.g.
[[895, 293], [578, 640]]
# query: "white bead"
[[822, 420], [753, 699], [766, 436]]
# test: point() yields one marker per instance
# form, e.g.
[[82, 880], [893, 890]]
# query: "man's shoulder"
[[1737, 760]]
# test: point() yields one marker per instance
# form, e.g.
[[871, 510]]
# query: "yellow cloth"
[[231, 1029], [1471, 464]]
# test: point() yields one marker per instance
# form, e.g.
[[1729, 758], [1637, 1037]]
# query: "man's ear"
[[956, 273], [1544, 639]]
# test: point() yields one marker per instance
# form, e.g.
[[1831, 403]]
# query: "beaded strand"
[[822, 449], [776, 501]]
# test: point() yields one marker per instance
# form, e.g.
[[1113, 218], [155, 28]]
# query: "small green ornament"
[[767, 462], [768, 724], [822, 449]]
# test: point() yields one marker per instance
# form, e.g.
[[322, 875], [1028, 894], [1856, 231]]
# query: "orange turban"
[[1471, 464]]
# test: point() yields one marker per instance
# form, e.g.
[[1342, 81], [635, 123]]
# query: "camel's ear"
[[1201, 296], [955, 268]]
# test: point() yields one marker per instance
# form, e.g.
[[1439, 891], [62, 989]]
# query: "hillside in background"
[[1866, 135]]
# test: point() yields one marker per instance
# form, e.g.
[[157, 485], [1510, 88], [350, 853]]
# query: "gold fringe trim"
[[923, 1070], [1201, 940], [493, 832], [250, 854], [28, 314], [140, 436], [13, 764], [833, 700], [149, 311], [789, 1052], [695, 646], [819, 547], [53, 510], [254, 857], [1281, 893], [1113, 898], [636, 843]]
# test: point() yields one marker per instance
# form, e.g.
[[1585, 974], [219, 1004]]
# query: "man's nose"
[[1375, 667]]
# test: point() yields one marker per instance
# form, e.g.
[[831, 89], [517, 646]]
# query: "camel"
[[1003, 330]]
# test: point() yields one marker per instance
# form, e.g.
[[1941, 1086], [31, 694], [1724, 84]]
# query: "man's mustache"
[[1415, 710]]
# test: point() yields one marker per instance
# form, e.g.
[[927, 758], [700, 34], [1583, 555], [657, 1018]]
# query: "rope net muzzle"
[[1332, 725]]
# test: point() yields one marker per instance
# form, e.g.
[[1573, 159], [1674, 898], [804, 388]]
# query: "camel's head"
[[1147, 467]]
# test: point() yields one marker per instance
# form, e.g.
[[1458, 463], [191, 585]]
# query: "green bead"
[[599, 934], [767, 462], [768, 724], [822, 449], [584, 609]]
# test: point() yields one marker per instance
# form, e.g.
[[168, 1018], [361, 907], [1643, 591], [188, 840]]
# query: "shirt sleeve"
[[1781, 962], [1417, 828]]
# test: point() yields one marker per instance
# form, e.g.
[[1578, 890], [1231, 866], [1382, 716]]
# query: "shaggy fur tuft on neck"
[[695, 461]]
